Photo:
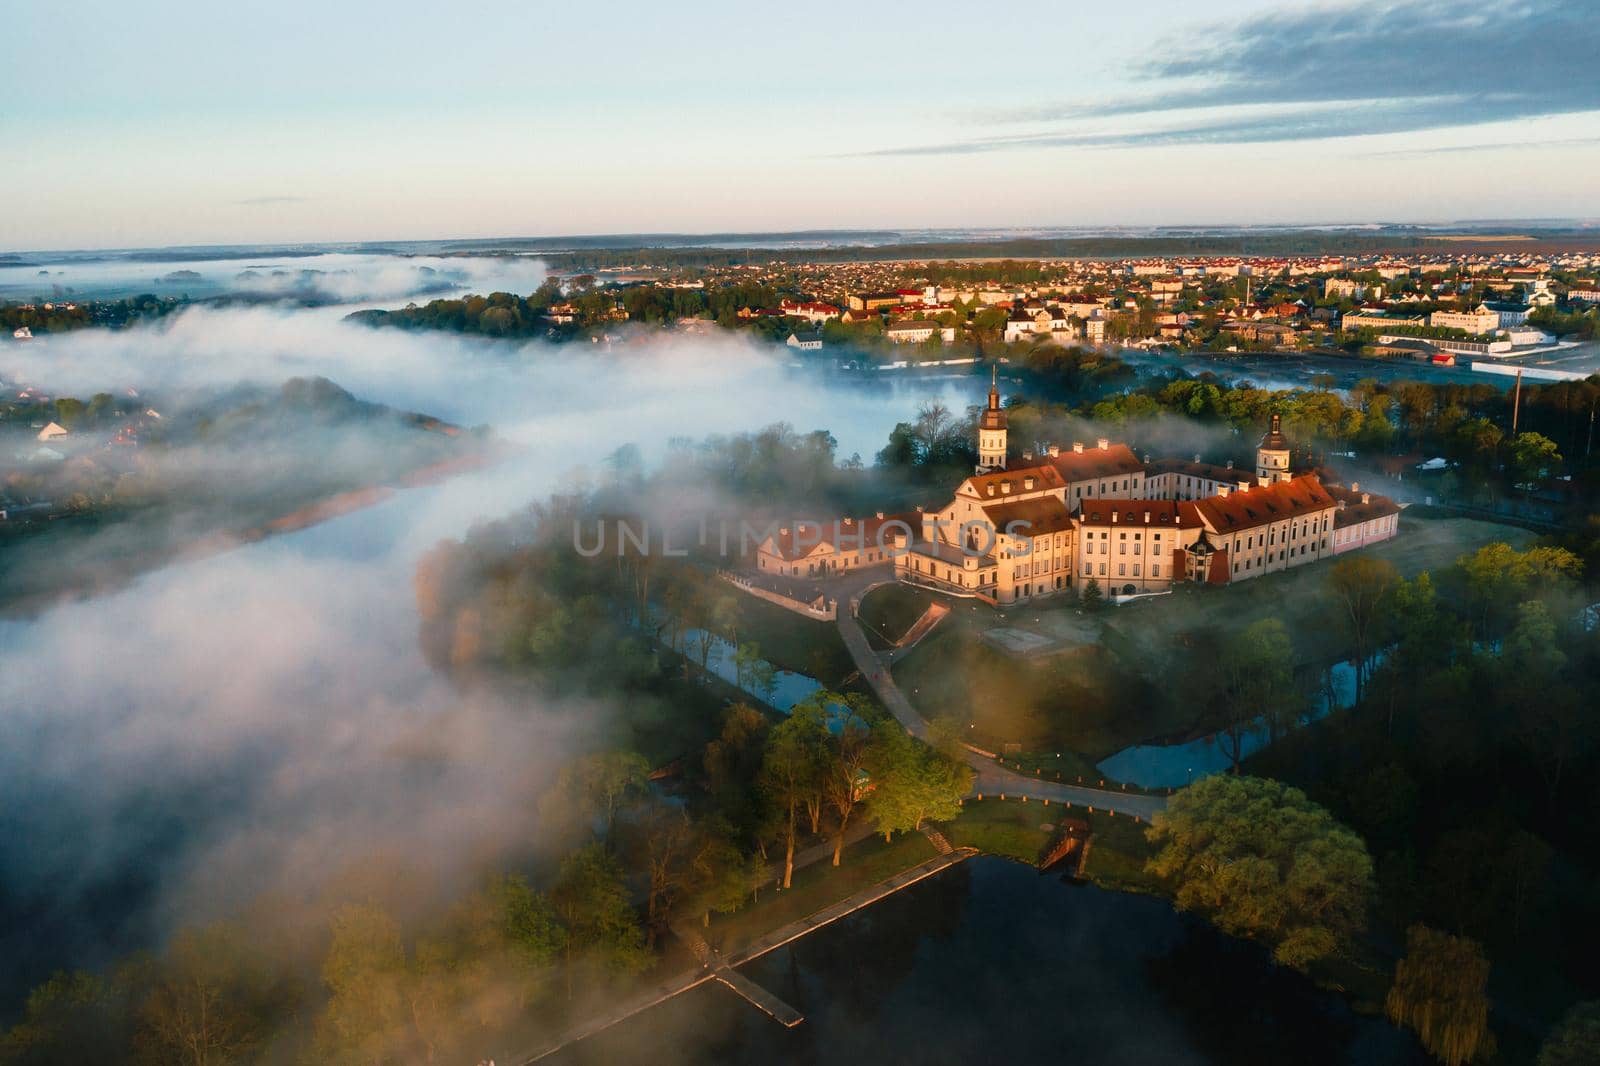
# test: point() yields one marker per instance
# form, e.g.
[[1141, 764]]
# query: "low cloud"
[[263, 720], [1325, 72]]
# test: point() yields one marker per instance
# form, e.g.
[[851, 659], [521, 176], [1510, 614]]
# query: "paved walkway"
[[992, 779], [847, 906]]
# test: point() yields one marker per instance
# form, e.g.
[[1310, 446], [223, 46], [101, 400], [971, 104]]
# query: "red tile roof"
[[1355, 511], [844, 534], [1045, 477], [1033, 518], [1129, 512], [1092, 462], [1262, 505]]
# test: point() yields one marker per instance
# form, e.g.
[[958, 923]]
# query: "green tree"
[[1361, 586], [792, 769], [1576, 1041], [1092, 597], [73, 1017], [849, 748], [1264, 862], [754, 674], [668, 847], [213, 1000], [1499, 576], [591, 898], [1424, 640], [69, 411], [529, 926], [1438, 991], [365, 972], [593, 789], [727, 877], [732, 760], [1533, 458], [911, 782]]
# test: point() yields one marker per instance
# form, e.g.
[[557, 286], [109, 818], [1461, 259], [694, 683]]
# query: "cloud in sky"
[[1321, 72]]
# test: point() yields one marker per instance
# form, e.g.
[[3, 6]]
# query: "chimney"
[[1197, 457], [1261, 481], [1147, 518], [1027, 483], [1054, 450], [1027, 454], [1103, 444], [880, 515], [1005, 487], [1341, 505], [991, 488], [1366, 497], [1222, 490], [1077, 447], [1113, 516], [1147, 459], [1355, 486], [1230, 464]]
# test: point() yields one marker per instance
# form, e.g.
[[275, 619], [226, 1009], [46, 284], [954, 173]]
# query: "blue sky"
[[175, 123]]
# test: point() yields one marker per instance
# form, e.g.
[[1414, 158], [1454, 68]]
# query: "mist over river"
[[252, 724], [247, 723]]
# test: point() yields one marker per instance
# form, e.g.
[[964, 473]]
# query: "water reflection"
[[992, 962]]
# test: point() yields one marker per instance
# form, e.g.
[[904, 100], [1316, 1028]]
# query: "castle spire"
[[992, 428]]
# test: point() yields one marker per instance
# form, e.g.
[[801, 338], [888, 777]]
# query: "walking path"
[[848, 906], [991, 779], [683, 982], [763, 1000]]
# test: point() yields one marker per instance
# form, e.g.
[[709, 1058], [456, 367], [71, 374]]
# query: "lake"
[[993, 962]]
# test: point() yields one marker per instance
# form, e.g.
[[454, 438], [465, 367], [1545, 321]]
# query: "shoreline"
[[218, 541]]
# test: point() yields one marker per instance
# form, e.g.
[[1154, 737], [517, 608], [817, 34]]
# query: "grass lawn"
[[1118, 853], [865, 863], [1148, 629], [1017, 831], [1005, 827], [792, 642], [889, 611], [1082, 701]]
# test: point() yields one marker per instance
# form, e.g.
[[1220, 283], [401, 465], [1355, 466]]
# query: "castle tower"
[[992, 430], [1272, 455]]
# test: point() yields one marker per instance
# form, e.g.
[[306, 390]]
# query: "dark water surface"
[[991, 962]]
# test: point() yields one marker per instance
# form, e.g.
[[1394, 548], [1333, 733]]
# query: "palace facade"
[[1013, 534]]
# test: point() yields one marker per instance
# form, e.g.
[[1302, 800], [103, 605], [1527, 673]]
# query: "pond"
[[992, 962]]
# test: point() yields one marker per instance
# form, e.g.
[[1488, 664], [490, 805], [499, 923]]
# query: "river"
[[259, 720], [262, 720], [992, 962]]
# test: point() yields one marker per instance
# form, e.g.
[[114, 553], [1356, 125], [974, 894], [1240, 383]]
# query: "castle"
[[1018, 533]]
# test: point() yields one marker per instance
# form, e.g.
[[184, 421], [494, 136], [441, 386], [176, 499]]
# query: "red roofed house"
[[1362, 518]]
